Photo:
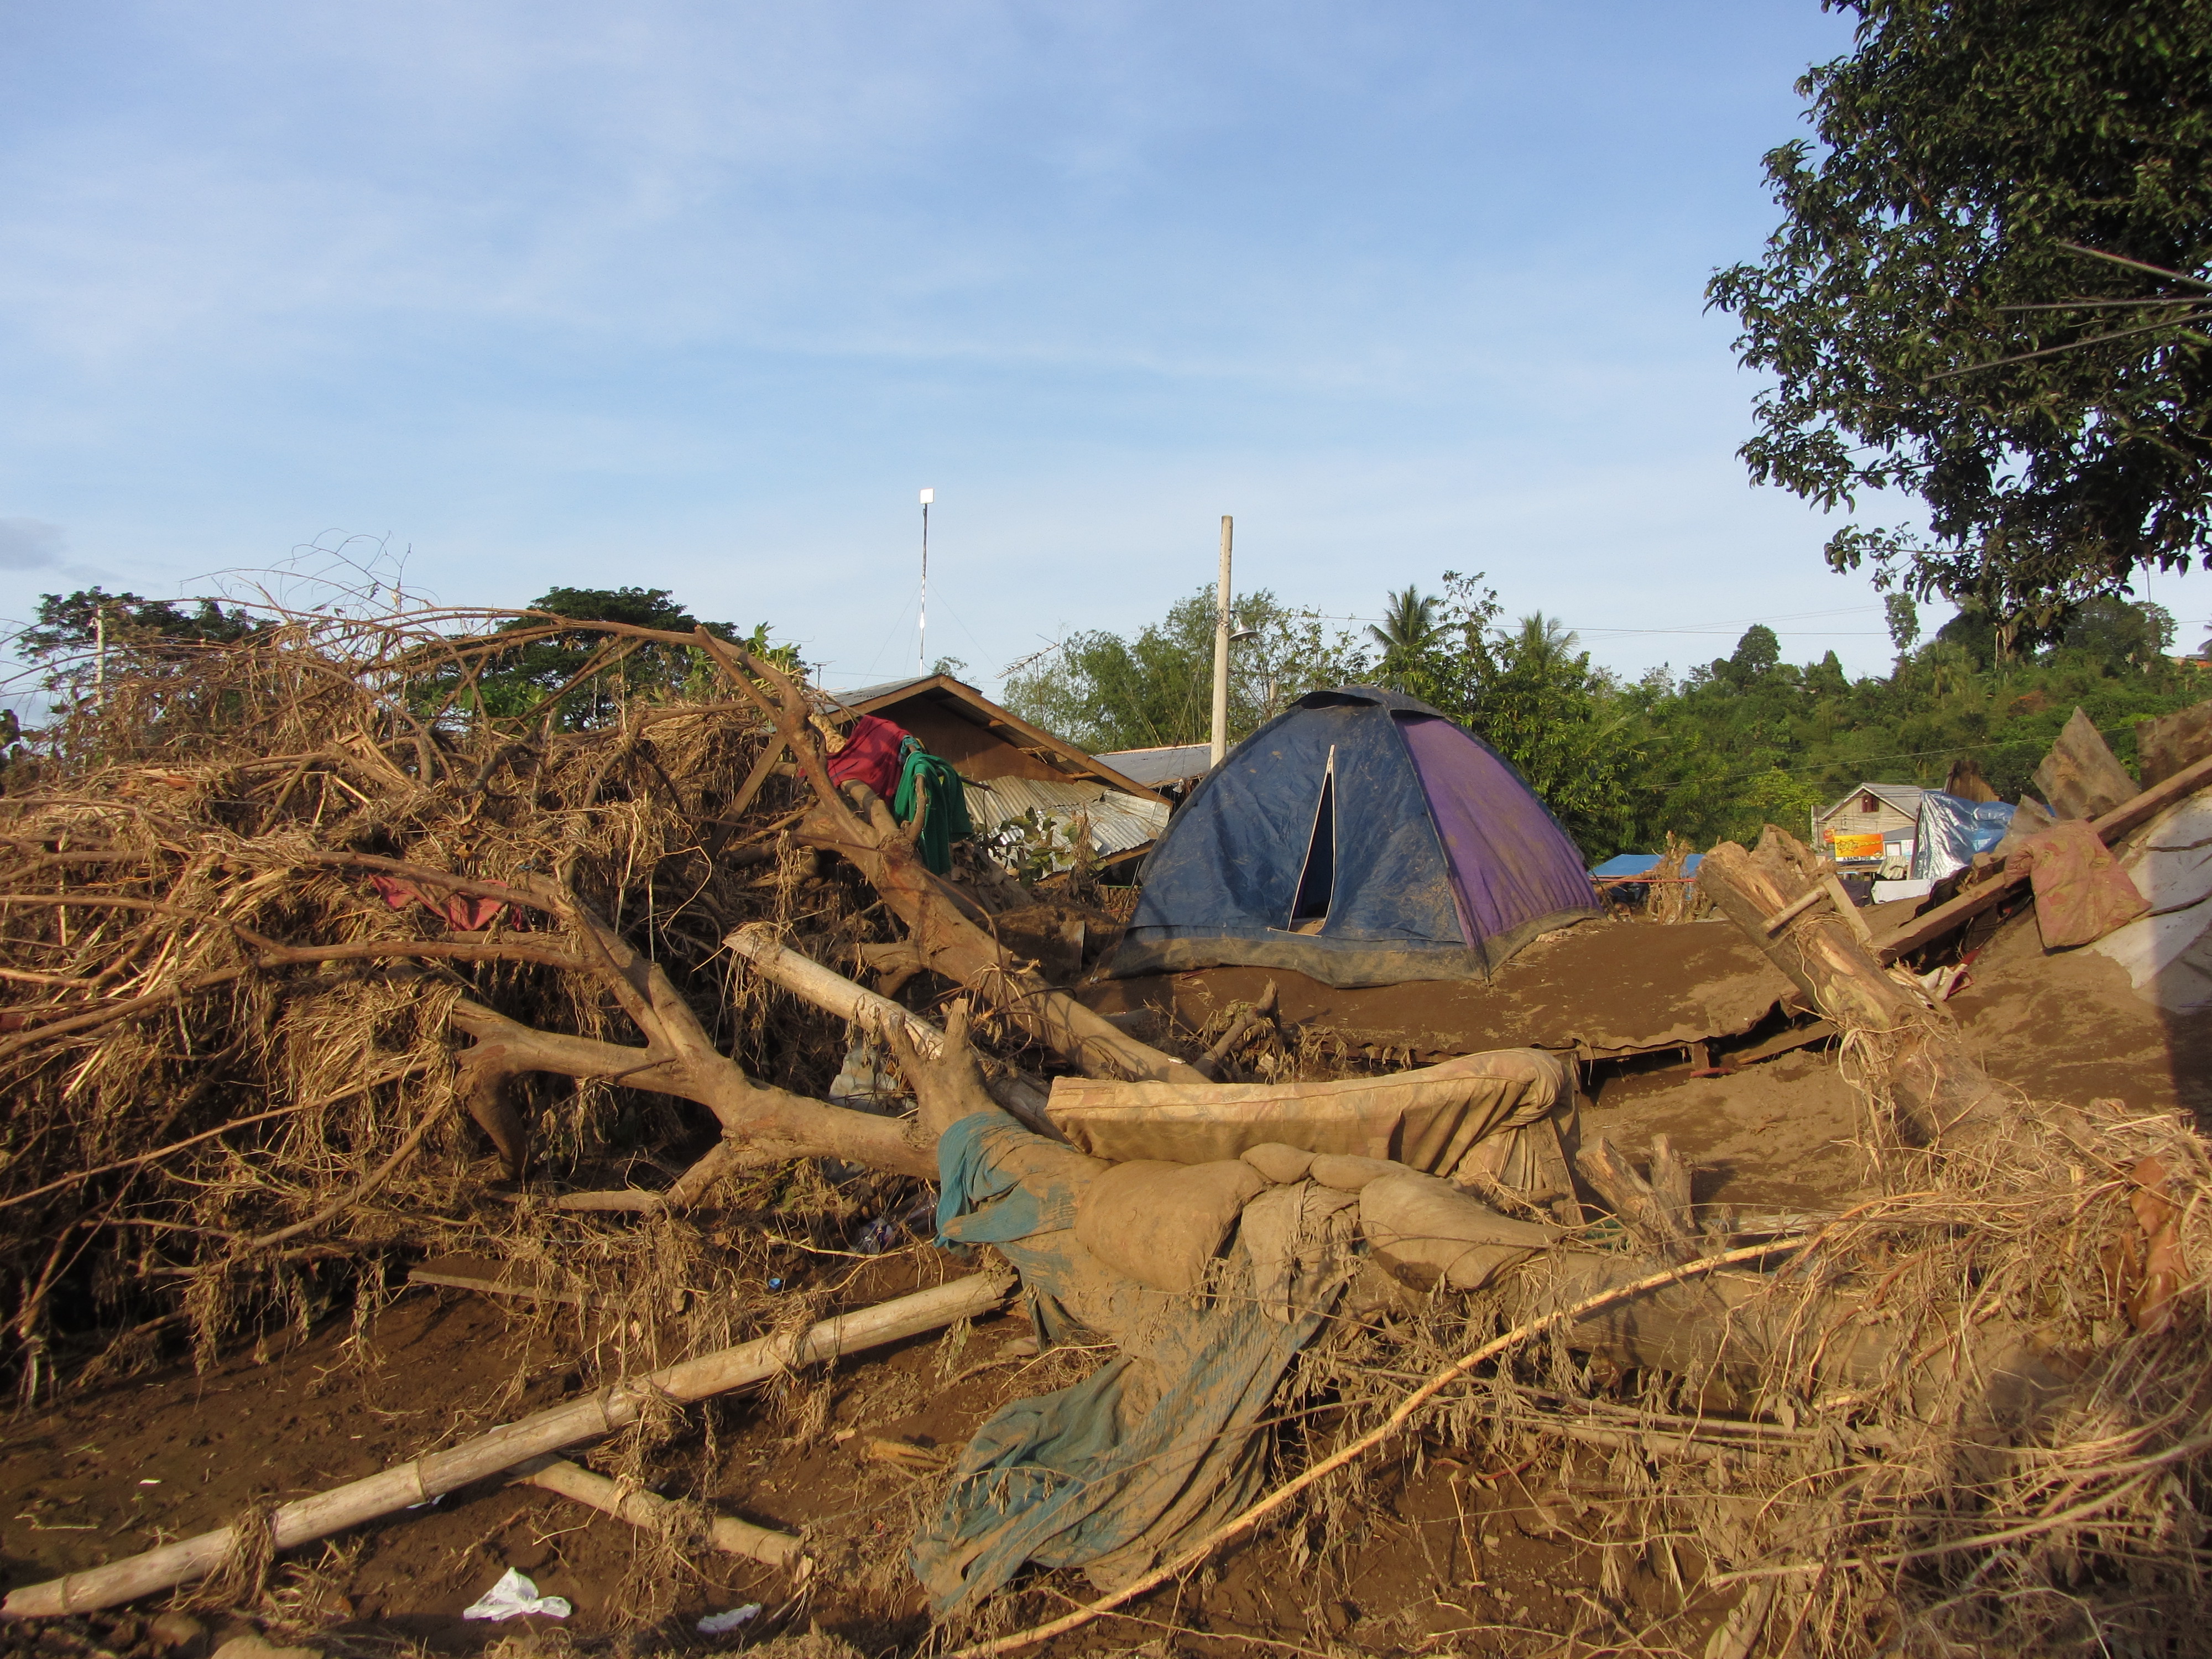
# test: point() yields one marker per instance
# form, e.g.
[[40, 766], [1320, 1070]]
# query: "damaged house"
[[1017, 775]]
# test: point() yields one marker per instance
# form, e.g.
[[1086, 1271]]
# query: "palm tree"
[[1408, 627], [1541, 643]]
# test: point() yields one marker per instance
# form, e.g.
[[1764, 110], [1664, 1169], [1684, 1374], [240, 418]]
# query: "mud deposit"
[[1470, 1546]]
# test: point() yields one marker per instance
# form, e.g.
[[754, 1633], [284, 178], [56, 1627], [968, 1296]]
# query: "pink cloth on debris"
[[2080, 893], [457, 911]]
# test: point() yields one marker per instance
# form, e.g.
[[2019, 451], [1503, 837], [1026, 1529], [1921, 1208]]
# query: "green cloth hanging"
[[945, 818]]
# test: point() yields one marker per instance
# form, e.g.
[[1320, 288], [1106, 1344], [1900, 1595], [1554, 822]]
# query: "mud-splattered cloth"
[[2081, 893], [1164, 1440]]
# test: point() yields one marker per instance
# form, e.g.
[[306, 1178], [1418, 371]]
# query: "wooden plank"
[[1782, 1041], [1924, 929]]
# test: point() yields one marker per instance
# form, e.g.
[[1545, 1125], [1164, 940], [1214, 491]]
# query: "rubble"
[[321, 981]]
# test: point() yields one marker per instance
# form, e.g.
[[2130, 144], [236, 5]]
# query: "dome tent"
[[1360, 838]]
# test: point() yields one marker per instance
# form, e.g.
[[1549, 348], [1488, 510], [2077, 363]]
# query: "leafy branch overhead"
[[1988, 291]]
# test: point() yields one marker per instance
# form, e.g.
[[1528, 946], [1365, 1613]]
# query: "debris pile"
[[321, 981]]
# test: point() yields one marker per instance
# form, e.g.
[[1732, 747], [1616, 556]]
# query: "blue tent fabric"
[[1439, 862], [1161, 1440]]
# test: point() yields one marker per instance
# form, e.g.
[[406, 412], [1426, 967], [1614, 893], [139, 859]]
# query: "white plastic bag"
[[717, 1624], [512, 1597]]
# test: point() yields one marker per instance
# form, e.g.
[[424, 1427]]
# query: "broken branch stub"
[[1670, 1183], [1650, 1215]]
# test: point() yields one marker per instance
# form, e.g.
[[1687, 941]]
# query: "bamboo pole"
[[649, 1512], [548, 1431]]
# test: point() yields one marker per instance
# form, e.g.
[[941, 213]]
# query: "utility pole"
[[1221, 651], [99, 660], [921, 641]]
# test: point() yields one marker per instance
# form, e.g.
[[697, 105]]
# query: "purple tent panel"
[[1511, 863]]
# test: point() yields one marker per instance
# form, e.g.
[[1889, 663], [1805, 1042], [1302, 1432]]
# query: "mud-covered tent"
[[1360, 838]]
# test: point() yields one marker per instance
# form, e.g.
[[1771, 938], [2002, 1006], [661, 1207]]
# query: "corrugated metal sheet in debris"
[[1154, 767], [1118, 821]]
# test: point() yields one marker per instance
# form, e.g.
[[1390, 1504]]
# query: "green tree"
[[1409, 624], [1756, 655], [2121, 633], [70, 623], [1541, 704], [1932, 323], [1104, 692], [518, 680]]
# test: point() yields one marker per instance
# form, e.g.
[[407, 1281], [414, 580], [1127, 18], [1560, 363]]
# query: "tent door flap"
[[1317, 875]]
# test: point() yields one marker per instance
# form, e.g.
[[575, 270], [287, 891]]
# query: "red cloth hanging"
[[871, 756]]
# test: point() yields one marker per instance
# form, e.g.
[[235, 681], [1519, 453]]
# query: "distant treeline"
[[1711, 754], [1732, 744]]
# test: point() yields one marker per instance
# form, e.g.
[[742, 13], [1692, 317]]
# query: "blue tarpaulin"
[[1628, 867], [1952, 830], [1360, 838]]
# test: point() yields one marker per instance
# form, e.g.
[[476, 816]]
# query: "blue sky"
[[697, 296]]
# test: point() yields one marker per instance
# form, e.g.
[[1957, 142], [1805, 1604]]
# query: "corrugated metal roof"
[[1154, 767], [870, 693], [1118, 821]]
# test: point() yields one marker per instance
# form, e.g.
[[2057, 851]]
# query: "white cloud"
[[30, 544]]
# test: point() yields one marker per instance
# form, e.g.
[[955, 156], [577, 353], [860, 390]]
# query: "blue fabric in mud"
[[1426, 856], [976, 1163], [1162, 1439]]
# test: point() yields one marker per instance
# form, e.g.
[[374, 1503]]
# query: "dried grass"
[[193, 1135], [1927, 1508]]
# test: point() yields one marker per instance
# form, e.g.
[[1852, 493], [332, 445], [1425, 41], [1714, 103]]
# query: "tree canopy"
[[1988, 290], [71, 622], [1155, 688]]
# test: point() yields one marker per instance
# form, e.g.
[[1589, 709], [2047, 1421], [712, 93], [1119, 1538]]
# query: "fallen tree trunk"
[[557, 1426], [949, 943], [878, 1015], [1780, 894]]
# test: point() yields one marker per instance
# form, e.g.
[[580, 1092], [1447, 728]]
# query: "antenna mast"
[[922, 639], [1221, 636]]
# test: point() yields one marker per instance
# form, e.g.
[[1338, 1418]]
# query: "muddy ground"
[[1460, 1548], [1458, 1552], [1601, 989]]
